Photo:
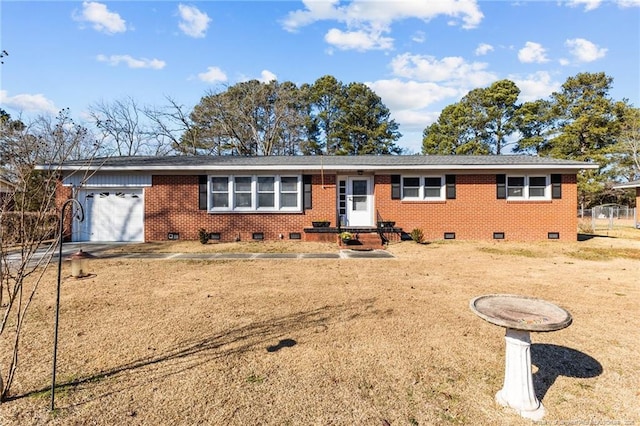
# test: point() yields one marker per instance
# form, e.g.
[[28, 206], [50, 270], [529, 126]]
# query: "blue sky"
[[418, 56]]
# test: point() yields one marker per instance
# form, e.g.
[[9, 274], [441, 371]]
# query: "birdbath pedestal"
[[520, 315]]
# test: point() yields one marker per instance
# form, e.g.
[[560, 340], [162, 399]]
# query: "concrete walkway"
[[341, 254], [101, 250]]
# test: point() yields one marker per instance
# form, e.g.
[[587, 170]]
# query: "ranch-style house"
[[235, 198]]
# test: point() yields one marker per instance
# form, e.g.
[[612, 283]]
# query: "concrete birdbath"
[[520, 315]]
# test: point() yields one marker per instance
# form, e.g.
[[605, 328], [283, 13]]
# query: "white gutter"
[[634, 184], [466, 167]]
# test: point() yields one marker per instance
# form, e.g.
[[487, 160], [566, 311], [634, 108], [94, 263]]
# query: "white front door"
[[359, 204]]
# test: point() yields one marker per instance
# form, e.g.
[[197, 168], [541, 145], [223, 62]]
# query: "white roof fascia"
[[627, 185], [342, 167]]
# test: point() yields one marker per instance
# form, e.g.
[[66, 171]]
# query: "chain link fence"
[[608, 217]]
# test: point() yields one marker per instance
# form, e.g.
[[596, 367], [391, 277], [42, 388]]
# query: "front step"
[[363, 241]]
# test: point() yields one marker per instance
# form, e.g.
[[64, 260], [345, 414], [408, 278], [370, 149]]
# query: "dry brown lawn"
[[331, 341]]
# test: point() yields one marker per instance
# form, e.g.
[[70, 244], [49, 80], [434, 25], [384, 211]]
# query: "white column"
[[517, 391]]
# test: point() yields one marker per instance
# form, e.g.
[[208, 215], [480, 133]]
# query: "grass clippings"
[[329, 341]]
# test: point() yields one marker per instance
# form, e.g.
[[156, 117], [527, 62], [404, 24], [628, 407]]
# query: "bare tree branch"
[[28, 218]]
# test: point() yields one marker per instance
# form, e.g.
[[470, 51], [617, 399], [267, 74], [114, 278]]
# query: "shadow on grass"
[[619, 236], [284, 343], [191, 353], [554, 361], [587, 237]]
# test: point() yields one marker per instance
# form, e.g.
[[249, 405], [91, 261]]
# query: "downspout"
[[322, 170]]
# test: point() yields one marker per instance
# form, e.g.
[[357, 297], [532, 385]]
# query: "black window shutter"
[[306, 183], [395, 187], [451, 186], [556, 186], [202, 192], [501, 186]]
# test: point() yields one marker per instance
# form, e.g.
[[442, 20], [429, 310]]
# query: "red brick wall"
[[171, 205], [476, 214], [324, 199]]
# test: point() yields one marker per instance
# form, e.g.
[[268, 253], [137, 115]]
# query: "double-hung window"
[[515, 187], [219, 192], [411, 188], [266, 192], [256, 193], [433, 188], [289, 192], [242, 192], [422, 188], [528, 187], [538, 186]]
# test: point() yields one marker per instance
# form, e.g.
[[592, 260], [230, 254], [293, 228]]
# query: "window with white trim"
[[423, 188], [411, 187], [515, 186], [266, 194], [255, 193], [289, 192], [219, 192], [433, 187], [538, 186], [528, 187], [242, 192]]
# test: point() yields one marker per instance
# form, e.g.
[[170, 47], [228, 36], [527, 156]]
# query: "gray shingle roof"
[[371, 162]]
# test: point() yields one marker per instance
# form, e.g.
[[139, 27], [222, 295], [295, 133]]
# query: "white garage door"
[[111, 215]]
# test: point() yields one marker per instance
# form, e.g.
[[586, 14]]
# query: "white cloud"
[[452, 70], [194, 23], [588, 4], [532, 52], [30, 103], [315, 11], [411, 95], [420, 37], [535, 86], [384, 12], [358, 40], [365, 20], [132, 62], [213, 75], [267, 76], [415, 121], [424, 84], [412, 105], [584, 50], [100, 18], [629, 3], [483, 49]]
